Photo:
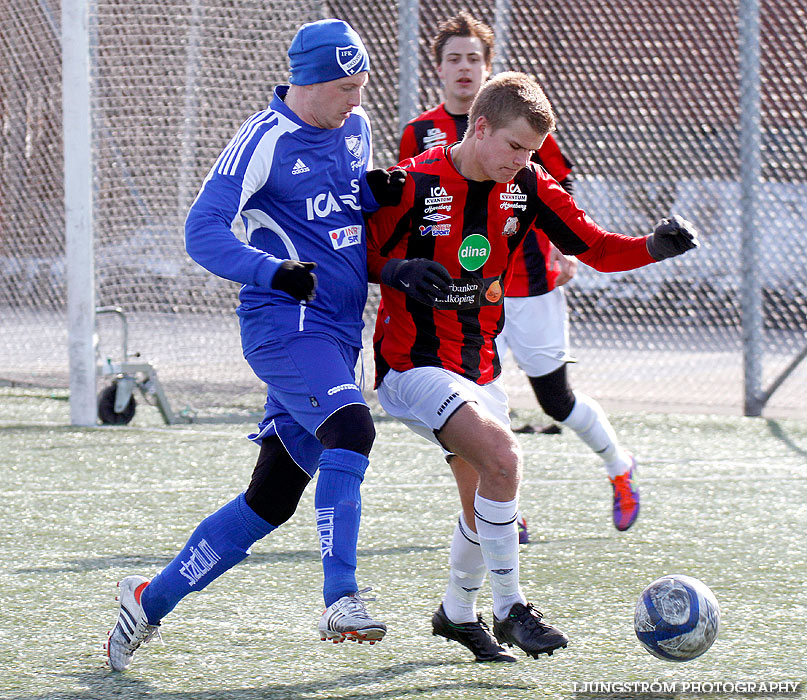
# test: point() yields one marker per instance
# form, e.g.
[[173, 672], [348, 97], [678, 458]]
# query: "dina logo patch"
[[474, 252]]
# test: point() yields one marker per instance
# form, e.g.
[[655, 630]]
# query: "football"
[[677, 618]]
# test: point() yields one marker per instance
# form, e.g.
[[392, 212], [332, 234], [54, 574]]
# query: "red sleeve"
[[386, 232], [408, 147], [615, 252], [552, 268], [375, 261], [603, 250], [552, 158]]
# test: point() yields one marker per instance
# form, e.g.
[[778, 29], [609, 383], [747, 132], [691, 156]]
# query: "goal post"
[[78, 208], [751, 168]]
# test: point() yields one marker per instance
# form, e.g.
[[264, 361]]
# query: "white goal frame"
[[78, 204]]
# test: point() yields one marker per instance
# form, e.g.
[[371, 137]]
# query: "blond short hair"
[[508, 96]]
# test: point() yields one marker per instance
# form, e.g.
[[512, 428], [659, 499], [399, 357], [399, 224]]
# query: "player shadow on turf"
[[779, 433], [149, 562], [101, 684], [556, 539], [77, 566]]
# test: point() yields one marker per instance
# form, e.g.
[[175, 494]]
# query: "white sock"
[[466, 574], [592, 426], [498, 540]]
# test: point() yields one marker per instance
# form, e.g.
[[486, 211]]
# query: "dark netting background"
[[647, 98]]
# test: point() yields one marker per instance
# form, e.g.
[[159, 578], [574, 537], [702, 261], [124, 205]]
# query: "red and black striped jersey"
[[531, 273], [435, 127], [473, 229]]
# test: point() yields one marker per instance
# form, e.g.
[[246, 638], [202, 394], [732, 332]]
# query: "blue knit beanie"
[[324, 51]]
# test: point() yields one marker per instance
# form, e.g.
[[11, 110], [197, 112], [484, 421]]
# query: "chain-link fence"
[[648, 103]]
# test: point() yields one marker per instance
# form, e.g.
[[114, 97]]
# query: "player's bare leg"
[[487, 445], [467, 479], [492, 450], [457, 618]]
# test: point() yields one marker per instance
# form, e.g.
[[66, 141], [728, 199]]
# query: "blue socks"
[[338, 510], [223, 539], [219, 542]]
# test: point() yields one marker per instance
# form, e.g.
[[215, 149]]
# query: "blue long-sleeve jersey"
[[300, 191]]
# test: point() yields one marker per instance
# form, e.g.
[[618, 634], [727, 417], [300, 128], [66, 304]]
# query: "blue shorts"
[[309, 376]]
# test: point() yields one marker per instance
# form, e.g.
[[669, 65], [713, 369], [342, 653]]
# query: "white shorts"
[[424, 398], [536, 331]]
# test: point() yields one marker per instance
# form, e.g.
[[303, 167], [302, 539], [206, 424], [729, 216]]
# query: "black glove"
[[426, 281], [386, 185], [672, 237], [296, 278], [567, 183]]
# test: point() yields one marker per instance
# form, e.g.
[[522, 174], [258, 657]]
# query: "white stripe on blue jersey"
[[260, 219], [310, 214], [225, 159]]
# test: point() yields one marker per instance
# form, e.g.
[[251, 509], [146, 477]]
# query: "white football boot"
[[132, 628], [348, 618]]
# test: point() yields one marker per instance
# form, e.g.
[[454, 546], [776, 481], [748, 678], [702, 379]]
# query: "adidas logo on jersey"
[[300, 167]]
